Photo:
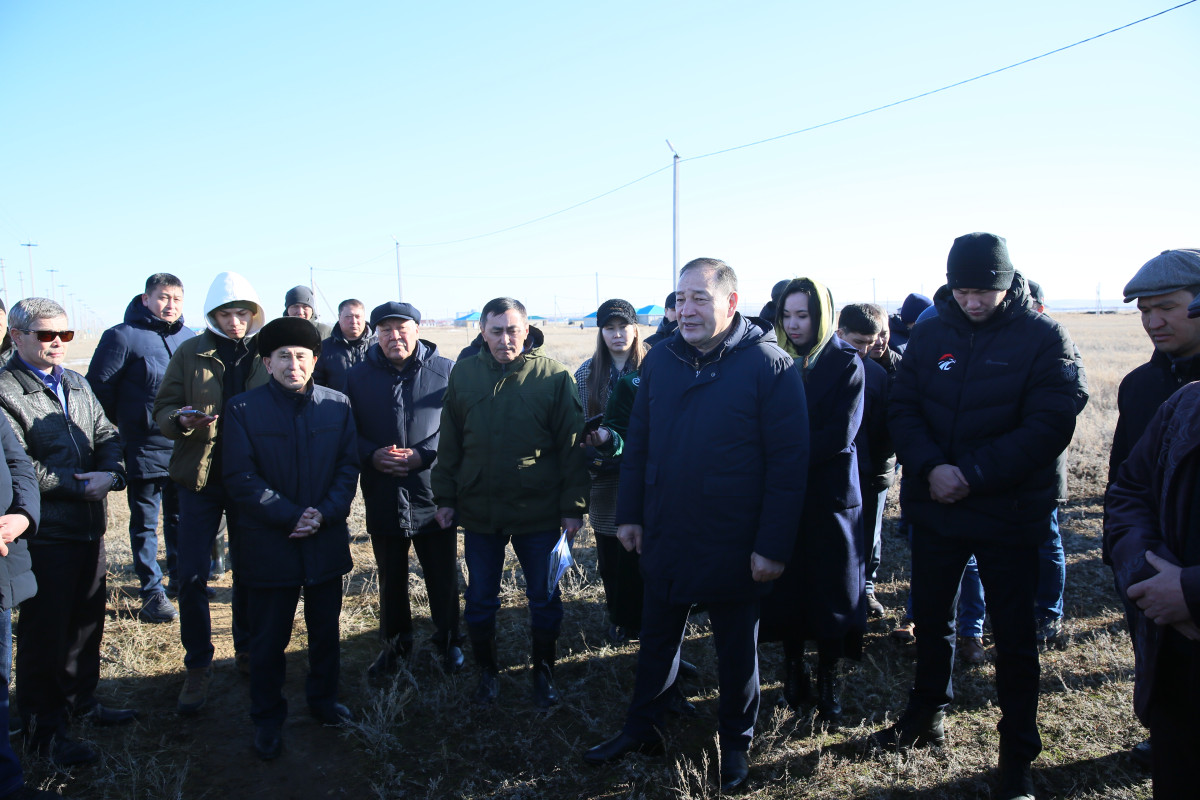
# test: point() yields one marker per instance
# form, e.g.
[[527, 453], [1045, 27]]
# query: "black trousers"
[[438, 553], [1174, 735], [622, 577], [735, 633], [58, 636], [272, 612], [1009, 573]]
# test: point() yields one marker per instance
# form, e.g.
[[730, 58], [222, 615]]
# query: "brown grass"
[[419, 737]]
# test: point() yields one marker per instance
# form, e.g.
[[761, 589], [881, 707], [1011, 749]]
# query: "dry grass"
[[419, 737]]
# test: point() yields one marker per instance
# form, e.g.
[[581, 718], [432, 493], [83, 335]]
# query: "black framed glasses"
[[49, 336]]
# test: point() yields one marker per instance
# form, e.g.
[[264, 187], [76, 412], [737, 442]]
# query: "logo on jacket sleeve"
[[946, 362]]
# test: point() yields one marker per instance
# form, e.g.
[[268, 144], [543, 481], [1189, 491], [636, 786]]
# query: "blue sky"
[[271, 138]]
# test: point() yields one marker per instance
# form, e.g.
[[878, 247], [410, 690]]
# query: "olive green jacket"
[[195, 377], [508, 460]]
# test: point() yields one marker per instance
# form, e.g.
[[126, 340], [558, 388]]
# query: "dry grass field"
[[419, 737]]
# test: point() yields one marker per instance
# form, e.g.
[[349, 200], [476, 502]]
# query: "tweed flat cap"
[[1169, 271]]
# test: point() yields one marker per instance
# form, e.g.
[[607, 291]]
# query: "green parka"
[[508, 460]]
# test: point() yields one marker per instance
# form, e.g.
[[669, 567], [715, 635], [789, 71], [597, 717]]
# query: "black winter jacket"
[[1141, 393], [18, 495], [876, 454], [338, 355], [665, 329], [285, 452], [715, 463], [402, 408], [60, 448], [997, 400], [125, 373]]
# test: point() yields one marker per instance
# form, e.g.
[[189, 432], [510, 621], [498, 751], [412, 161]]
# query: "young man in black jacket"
[[291, 467], [984, 400]]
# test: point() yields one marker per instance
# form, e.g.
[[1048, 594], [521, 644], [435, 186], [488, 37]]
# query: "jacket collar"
[[1016, 301], [138, 316]]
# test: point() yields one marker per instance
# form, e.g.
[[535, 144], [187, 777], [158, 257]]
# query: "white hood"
[[226, 288]]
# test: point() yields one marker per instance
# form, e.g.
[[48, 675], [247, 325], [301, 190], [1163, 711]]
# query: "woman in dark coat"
[[820, 596]]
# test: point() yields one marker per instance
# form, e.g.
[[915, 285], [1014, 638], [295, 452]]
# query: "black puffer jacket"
[[403, 409], [997, 400], [61, 448], [1142, 392], [18, 495], [338, 355]]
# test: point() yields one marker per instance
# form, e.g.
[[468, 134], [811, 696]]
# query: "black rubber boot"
[[545, 694], [483, 644], [797, 684], [829, 705]]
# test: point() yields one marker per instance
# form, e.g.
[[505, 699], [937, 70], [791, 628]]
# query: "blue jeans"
[[11, 777], [145, 496], [873, 504], [199, 518], [484, 554], [1052, 574], [1010, 574]]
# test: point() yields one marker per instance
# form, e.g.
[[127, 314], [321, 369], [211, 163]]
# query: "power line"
[[826, 124]]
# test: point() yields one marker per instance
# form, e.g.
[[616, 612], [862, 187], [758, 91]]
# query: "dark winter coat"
[[666, 328], [1152, 506], [820, 594], [285, 452], [401, 408], [60, 446], [471, 349], [18, 495], [1142, 391], [508, 460], [125, 373], [997, 400], [714, 463], [876, 454], [338, 355]]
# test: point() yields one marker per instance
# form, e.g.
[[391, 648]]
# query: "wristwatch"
[[118, 483]]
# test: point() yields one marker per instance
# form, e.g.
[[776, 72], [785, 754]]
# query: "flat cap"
[[1169, 271], [394, 310]]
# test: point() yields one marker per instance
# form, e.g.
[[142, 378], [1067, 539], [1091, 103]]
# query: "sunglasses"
[[49, 336]]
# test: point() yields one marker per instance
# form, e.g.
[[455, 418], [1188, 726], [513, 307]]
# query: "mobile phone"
[[591, 424]]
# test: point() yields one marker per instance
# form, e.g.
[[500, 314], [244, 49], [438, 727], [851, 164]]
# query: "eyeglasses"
[[49, 336]]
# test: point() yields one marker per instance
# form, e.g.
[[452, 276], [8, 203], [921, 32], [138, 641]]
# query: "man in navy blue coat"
[[983, 402], [125, 373], [397, 395], [712, 487], [291, 468]]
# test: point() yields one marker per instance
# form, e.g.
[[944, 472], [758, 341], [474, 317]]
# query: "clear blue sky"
[[271, 137]]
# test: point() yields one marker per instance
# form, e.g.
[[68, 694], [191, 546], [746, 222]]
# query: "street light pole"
[[399, 280], [674, 218], [30, 245], [51, 271]]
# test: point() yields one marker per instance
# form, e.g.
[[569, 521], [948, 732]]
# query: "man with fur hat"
[[301, 302], [291, 470], [983, 402], [205, 373]]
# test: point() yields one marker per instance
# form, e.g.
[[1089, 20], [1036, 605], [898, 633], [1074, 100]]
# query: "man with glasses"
[[76, 454]]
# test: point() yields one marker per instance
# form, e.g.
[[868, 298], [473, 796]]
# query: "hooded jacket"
[[401, 408], [195, 377], [125, 373], [338, 355], [1151, 506], [998, 400], [508, 461], [714, 463]]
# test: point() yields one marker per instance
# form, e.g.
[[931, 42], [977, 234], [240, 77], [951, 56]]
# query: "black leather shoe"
[[384, 664], [688, 670], [336, 714], [679, 705], [452, 660], [797, 685], [64, 751], [1016, 779], [620, 746], [735, 771], [915, 728], [545, 694], [103, 715], [1142, 754], [488, 689], [268, 742]]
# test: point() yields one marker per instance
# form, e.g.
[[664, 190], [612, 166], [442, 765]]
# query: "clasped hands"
[[308, 525]]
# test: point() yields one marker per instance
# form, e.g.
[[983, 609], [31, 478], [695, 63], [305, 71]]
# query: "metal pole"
[[399, 280], [674, 217], [52, 271], [4, 280], [30, 245], [597, 290]]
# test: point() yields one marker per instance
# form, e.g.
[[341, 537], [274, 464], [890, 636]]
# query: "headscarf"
[[820, 308]]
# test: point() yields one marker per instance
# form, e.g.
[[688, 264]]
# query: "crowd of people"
[[731, 464]]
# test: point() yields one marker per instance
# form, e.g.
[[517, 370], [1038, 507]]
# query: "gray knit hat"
[[1169, 271]]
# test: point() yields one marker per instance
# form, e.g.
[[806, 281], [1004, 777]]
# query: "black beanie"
[[299, 294], [288, 332], [979, 261]]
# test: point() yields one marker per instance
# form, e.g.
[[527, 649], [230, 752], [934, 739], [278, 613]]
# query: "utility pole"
[[4, 280], [21, 279], [597, 291], [675, 221], [399, 280], [30, 245], [51, 271]]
